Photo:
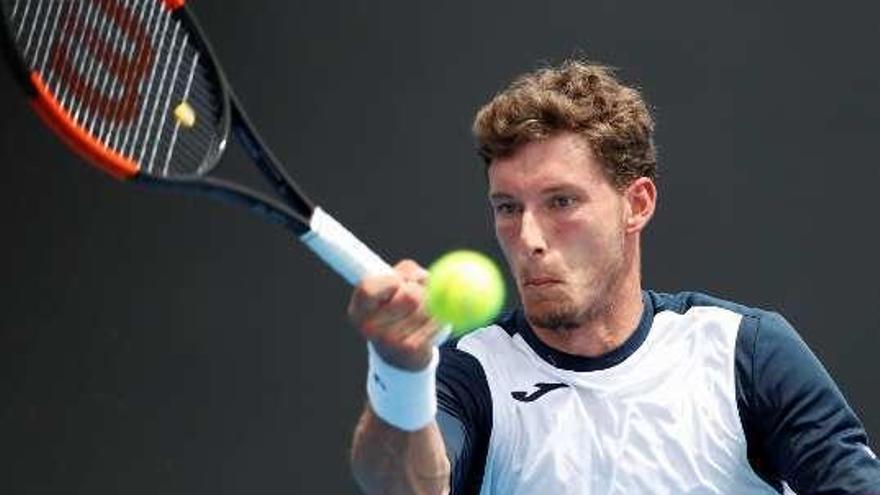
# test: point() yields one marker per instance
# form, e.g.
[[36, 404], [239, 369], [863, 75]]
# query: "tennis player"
[[595, 385]]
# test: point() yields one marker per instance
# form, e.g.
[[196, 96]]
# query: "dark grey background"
[[154, 343]]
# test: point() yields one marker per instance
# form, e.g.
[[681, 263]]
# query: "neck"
[[608, 328]]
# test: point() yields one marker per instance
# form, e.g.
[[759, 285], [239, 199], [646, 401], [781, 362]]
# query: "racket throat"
[[267, 163]]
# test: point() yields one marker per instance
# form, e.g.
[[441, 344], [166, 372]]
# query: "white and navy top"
[[706, 397]]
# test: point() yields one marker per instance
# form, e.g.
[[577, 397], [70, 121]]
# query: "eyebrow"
[[496, 196], [565, 188], [500, 196]]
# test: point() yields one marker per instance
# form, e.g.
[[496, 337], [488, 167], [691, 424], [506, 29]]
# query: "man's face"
[[561, 225]]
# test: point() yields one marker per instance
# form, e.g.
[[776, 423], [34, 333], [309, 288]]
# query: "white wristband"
[[404, 399]]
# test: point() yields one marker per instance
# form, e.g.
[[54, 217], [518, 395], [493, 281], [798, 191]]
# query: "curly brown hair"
[[580, 97]]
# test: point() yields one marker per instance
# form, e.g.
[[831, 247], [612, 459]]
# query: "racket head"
[[131, 85]]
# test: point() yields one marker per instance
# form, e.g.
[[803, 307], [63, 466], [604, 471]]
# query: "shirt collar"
[[518, 324]]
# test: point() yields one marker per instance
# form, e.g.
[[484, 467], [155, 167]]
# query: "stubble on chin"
[[556, 319], [565, 316], [566, 311], [562, 313]]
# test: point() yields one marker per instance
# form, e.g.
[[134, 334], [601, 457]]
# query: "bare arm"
[[388, 461], [390, 313]]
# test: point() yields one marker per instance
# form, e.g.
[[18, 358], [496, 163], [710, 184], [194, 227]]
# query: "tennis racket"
[[134, 87]]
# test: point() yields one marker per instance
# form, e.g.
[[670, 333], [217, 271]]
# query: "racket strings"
[[114, 91], [98, 101], [157, 96], [118, 68], [158, 30], [131, 76], [111, 129]]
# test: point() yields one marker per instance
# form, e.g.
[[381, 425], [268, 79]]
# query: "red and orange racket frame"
[[47, 107], [288, 206]]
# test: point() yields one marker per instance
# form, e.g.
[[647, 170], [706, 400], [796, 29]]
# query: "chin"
[[556, 310], [553, 315]]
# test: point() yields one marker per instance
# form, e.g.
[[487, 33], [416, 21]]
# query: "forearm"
[[398, 448], [389, 461]]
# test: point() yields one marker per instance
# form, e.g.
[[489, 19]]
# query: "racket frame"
[[320, 232], [293, 212]]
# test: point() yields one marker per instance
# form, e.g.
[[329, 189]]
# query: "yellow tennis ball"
[[465, 289]]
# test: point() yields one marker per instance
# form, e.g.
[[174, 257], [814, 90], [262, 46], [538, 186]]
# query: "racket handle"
[[341, 250]]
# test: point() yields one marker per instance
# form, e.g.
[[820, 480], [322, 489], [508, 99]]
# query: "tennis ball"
[[465, 290]]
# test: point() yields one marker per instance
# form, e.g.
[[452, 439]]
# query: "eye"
[[505, 208], [562, 201]]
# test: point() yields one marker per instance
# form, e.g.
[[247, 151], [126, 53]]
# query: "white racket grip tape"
[[340, 249]]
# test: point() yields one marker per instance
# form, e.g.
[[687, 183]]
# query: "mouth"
[[541, 281]]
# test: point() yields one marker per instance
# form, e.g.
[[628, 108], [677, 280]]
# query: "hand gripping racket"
[[134, 87]]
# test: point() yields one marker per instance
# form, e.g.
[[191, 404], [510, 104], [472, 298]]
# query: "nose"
[[532, 235]]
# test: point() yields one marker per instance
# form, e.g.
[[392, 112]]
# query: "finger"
[[408, 345], [406, 303], [412, 271], [371, 293], [406, 334], [431, 333]]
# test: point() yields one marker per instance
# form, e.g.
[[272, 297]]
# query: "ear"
[[640, 198]]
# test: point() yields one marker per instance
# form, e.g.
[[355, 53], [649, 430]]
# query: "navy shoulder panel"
[[798, 427], [745, 387], [464, 416], [680, 302]]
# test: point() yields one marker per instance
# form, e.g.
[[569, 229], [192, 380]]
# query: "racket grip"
[[341, 250]]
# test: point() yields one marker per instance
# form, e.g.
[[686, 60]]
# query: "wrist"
[[405, 399]]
